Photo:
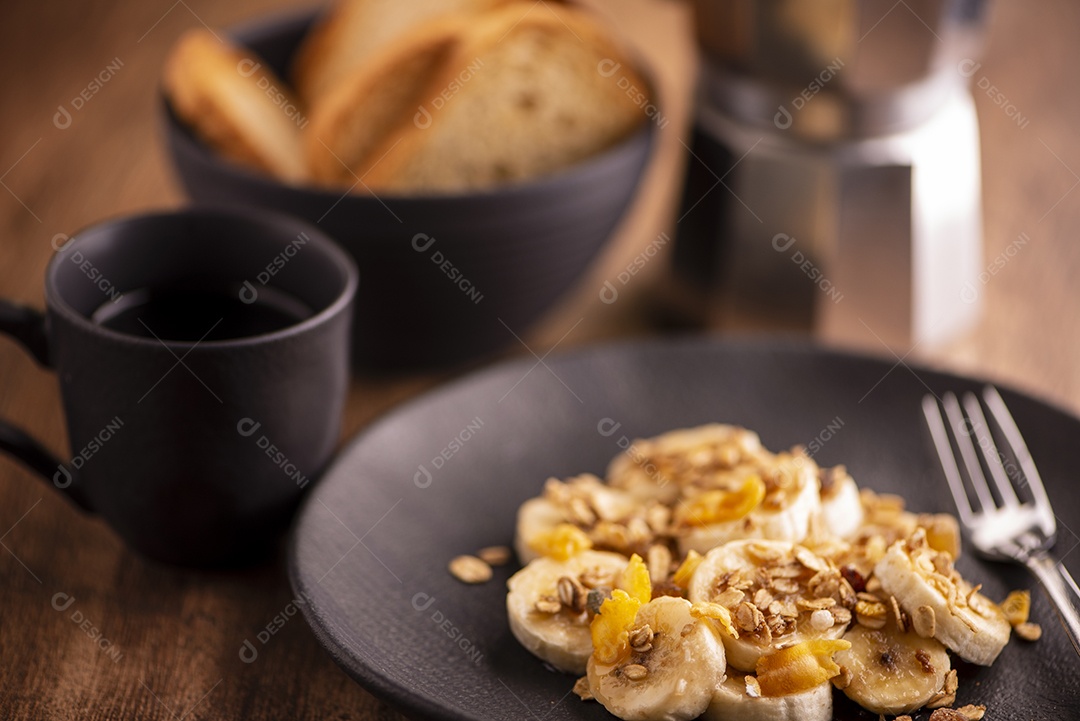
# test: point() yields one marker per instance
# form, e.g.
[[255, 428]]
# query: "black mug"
[[203, 359]]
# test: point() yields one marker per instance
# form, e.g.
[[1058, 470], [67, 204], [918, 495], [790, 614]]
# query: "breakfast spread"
[[450, 97], [709, 577]]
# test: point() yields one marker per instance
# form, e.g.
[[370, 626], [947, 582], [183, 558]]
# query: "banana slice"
[[706, 476], [669, 670], [787, 498], [611, 518], [942, 603], [658, 468], [841, 507], [547, 609], [739, 699], [777, 593], [890, 672]]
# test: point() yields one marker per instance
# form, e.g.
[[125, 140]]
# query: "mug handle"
[[27, 326]]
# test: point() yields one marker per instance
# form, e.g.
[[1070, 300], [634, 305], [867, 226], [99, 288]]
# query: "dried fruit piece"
[[1029, 631], [942, 533], [719, 506], [561, 542], [1016, 607], [686, 569], [717, 613], [853, 577], [667, 588], [610, 629], [635, 580], [799, 667]]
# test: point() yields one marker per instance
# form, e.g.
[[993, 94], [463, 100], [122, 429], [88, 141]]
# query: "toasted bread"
[[525, 96], [236, 104], [517, 92], [351, 121], [353, 31]]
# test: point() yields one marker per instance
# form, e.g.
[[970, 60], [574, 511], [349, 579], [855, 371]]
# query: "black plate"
[[445, 474]]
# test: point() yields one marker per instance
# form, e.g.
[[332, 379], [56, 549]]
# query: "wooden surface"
[[174, 637]]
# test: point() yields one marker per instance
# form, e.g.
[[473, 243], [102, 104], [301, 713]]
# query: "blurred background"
[[74, 153], [109, 160]]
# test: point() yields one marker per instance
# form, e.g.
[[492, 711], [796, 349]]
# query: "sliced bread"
[[236, 104], [351, 32], [534, 88], [351, 121]]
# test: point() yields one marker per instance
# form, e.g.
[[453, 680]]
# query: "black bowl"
[[444, 279]]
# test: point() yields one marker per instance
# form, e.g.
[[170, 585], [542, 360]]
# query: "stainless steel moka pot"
[[834, 179]]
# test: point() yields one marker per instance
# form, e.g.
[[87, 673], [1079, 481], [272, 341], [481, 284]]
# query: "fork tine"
[[936, 424], [962, 433], [1008, 427], [990, 451]]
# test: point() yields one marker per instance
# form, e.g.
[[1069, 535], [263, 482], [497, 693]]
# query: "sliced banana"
[[805, 579], [658, 468], [789, 499], [610, 517], [841, 507], [670, 670], [705, 476], [777, 593], [541, 619], [890, 672], [738, 699], [927, 587]]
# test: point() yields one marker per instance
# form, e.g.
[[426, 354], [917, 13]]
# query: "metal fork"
[[1013, 531]]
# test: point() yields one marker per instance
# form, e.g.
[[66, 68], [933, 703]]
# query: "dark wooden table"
[[133, 639]]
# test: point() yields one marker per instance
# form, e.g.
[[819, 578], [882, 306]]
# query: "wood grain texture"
[[178, 634]]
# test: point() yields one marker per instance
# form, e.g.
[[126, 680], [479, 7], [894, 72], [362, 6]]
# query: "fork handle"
[[1062, 590]]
